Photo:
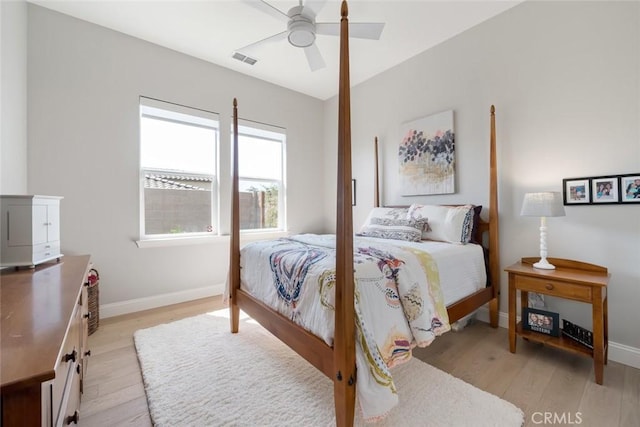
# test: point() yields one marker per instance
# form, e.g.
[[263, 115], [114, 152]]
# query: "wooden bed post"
[[344, 338], [376, 182], [234, 255], [494, 246]]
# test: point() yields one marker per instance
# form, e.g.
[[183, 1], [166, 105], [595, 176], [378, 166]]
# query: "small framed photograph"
[[630, 188], [576, 191], [353, 192], [544, 322], [605, 190]]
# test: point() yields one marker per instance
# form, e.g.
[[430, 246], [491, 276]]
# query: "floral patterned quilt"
[[398, 301]]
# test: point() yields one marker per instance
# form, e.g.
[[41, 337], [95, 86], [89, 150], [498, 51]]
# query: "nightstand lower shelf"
[[560, 342]]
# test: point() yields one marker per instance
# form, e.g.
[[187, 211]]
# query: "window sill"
[[198, 240]]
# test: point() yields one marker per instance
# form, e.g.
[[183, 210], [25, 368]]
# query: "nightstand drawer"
[[554, 287]]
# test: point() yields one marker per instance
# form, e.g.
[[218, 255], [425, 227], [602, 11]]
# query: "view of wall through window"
[[178, 174], [261, 172]]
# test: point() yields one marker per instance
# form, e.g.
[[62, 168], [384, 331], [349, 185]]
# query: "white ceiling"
[[213, 29]]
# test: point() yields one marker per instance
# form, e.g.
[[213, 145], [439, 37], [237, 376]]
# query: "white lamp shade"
[[543, 204]]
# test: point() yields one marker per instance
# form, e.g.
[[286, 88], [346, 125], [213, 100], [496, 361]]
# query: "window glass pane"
[[259, 158], [177, 146], [261, 153]]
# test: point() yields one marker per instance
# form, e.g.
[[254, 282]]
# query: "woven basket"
[[93, 296]]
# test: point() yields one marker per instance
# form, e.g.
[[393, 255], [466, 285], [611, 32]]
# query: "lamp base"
[[543, 264]]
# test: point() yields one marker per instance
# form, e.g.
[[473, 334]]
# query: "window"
[[178, 167], [261, 176]]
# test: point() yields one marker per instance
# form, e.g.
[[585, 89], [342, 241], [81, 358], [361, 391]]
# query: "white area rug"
[[197, 373]]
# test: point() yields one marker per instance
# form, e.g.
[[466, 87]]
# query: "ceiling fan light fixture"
[[302, 29], [301, 33]]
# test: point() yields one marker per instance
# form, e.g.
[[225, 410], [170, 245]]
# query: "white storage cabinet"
[[30, 230]]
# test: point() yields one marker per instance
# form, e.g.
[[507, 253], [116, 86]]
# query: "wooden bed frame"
[[338, 362]]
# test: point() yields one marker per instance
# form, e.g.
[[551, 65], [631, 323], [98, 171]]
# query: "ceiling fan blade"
[[314, 57], [359, 30], [315, 5], [328, 28], [250, 49], [265, 7]]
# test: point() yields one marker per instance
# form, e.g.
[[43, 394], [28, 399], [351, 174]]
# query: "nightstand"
[[572, 280]]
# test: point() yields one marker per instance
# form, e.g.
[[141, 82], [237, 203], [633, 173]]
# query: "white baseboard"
[[620, 353], [624, 354], [140, 304]]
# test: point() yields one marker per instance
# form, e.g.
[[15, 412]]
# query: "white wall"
[[13, 104], [84, 83], [565, 80]]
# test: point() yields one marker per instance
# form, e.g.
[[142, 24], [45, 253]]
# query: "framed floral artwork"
[[427, 155]]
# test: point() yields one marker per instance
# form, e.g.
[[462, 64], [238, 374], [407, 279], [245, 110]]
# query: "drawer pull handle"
[[549, 286], [87, 316], [70, 356], [73, 418]]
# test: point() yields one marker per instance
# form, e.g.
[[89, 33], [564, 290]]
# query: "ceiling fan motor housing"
[[301, 26]]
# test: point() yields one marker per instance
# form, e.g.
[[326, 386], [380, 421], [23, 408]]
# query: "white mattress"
[[461, 267]]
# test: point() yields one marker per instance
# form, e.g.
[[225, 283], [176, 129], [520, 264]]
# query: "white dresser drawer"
[[46, 251]]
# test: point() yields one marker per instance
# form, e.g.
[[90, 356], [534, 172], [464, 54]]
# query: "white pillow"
[[392, 223], [452, 224]]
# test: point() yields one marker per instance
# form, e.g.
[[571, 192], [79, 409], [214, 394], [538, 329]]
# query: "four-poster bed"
[[338, 361]]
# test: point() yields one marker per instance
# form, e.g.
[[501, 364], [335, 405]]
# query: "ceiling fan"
[[302, 29]]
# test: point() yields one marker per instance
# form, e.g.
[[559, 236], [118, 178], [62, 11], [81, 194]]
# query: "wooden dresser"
[[44, 322]]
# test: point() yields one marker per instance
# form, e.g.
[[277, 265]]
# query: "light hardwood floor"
[[543, 381]]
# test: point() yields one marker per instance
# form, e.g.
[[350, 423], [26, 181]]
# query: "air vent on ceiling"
[[243, 58]]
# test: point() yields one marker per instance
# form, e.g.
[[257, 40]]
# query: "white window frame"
[[164, 110], [272, 133]]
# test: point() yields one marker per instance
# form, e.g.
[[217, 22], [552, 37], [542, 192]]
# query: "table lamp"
[[543, 205]]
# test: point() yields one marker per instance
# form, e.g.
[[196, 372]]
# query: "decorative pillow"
[[388, 223], [453, 224], [476, 237], [397, 229]]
